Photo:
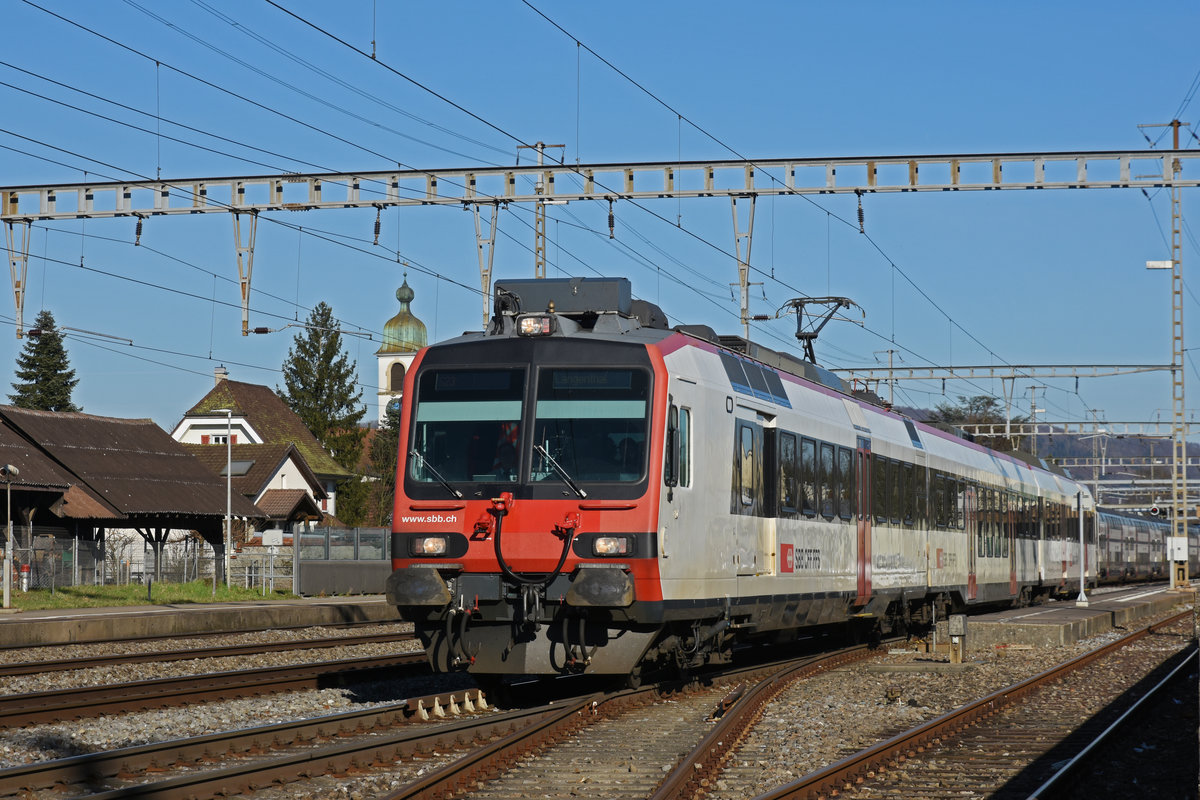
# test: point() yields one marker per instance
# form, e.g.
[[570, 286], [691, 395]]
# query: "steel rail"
[[245, 778], [224, 651], [96, 767], [831, 780], [197, 635], [1057, 782], [92, 701], [490, 761], [514, 732], [498, 755], [742, 712]]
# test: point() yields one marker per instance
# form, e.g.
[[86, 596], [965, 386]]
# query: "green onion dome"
[[404, 333]]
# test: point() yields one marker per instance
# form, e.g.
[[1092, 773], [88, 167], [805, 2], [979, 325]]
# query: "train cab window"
[[466, 426], [789, 474], [592, 422], [846, 471], [829, 481], [808, 476]]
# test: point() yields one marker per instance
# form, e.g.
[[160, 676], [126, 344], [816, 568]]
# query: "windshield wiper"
[[560, 472], [413, 452]]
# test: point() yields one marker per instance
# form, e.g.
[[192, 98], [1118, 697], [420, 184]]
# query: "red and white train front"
[[524, 523]]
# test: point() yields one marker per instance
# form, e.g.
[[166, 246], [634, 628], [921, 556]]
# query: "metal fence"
[[338, 561], [335, 561], [346, 544]]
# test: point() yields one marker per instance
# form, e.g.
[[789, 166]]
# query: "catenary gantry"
[[632, 182], [540, 183]]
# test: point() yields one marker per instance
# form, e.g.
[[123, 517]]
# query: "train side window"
[[921, 496], [984, 519], [685, 447], [880, 487], [746, 464], [939, 501], [846, 470], [672, 454], [960, 505], [934, 500], [994, 527], [789, 502], [909, 494], [828, 481], [808, 476], [1009, 507], [980, 518], [896, 491]]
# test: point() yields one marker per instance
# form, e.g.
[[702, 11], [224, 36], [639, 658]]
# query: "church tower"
[[403, 336]]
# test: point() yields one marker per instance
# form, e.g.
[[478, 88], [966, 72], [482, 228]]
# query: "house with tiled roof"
[[79, 475], [275, 477], [247, 414]]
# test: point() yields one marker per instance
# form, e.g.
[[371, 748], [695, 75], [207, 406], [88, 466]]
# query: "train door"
[[971, 524], [1039, 526], [1010, 541], [747, 502], [864, 520]]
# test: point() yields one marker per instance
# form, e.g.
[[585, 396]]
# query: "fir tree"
[[319, 380], [44, 377]]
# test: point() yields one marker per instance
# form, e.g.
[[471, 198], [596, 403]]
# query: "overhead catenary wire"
[[308, 230], [262, 106], [953, 322], [305, 93], [681, 117], [424, 88], [203, 80]]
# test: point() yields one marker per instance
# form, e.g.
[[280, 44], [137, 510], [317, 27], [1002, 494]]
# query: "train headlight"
[[428, 546], [610, 546], [535, 325]]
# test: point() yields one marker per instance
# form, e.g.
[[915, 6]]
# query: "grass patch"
[[136, 595]]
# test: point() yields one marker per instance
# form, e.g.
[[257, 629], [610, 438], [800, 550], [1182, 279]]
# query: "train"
[[585, 489]]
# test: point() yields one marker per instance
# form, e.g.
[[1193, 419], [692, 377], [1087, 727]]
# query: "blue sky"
[[1054, 277]]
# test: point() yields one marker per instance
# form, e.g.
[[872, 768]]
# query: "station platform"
[[70, 626], [1062, 622]]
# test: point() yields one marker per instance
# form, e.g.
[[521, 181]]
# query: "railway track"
[[121, 773], [600, 744], [173, 637], [85, 702], [1161, 722], [1007, 743], [653, 743], [91, 661], [620, 747]]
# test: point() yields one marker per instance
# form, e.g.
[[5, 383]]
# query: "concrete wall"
[[341, 577]]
